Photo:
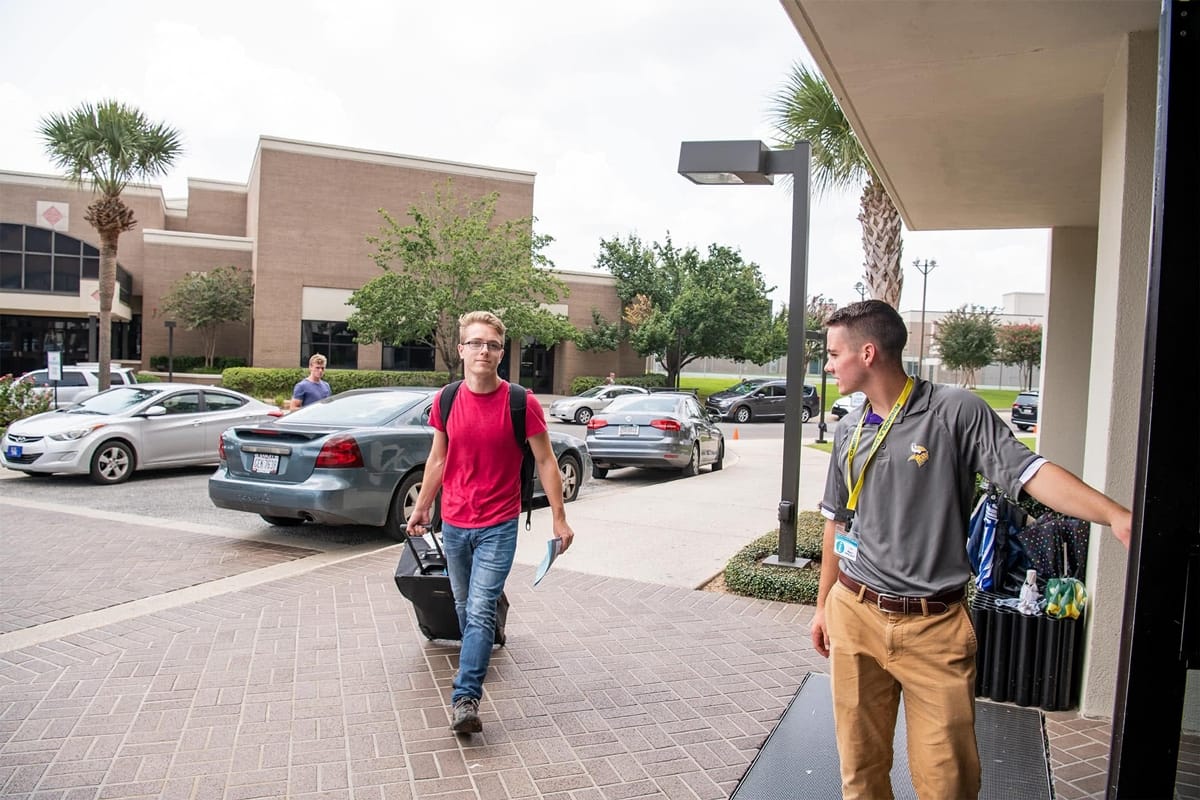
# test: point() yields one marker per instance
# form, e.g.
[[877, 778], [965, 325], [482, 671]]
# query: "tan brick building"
[[299, 223]]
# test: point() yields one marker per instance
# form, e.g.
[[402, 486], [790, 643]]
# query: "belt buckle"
[[881, 597]]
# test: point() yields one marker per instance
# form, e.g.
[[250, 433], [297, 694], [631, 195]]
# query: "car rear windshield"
[[1027, 399], [353, 410], [652, 404]]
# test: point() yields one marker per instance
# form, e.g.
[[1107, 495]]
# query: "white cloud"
[[594, 98]]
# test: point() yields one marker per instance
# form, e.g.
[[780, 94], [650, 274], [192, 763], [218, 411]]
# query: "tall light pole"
[[924, 267], [752, 162], [862, 291]]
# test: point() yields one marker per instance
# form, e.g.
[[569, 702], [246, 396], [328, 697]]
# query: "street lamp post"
[[170, 325], [752, 162], [924, 267], [862, 291]]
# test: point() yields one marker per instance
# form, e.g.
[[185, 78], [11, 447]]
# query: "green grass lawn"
[[999, 399]]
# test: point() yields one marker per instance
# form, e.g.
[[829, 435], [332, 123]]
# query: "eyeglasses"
[[475, 345]]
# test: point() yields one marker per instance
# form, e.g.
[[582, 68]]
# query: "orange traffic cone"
[[735, 434], [1034, 429]]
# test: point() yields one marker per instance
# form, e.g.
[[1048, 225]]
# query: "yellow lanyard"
[[856, 488]]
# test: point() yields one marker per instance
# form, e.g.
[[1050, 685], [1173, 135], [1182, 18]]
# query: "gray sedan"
[[665, 429], [129, 428], [356, 458]]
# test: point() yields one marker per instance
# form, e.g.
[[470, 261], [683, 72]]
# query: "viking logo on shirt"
[[919, 454]]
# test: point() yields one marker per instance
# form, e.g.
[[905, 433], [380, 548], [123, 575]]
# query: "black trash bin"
[[1026, 660]]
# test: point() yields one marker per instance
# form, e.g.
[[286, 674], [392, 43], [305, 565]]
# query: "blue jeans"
[[478, 562]]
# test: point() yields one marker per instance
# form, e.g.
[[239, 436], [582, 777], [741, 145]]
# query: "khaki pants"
[[874, 657]]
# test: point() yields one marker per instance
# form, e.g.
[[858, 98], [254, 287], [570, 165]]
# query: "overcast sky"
[[595, 98]]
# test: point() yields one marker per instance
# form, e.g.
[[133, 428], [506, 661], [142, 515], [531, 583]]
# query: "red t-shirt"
[[481, 482]]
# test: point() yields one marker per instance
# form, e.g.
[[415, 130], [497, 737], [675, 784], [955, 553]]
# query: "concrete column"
[[1118, 334], [1067, 346]]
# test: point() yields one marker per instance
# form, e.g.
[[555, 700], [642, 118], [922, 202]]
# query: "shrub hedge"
[[746, 575], [194, 363], [649, 380], [262, 382]]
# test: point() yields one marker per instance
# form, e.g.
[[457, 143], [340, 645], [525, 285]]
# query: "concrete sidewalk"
[[679, 532]]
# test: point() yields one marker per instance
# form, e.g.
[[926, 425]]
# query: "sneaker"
[[466, 716]]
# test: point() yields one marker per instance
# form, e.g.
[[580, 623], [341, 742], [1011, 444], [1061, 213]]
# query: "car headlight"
[[75, 433]]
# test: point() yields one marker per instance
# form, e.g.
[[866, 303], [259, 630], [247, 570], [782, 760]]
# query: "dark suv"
[[1025, 410], [765, 401]]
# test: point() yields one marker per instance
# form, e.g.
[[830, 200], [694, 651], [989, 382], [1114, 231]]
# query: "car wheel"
[[720, 462], [599, 472], [583, 415], [805, 414], [741, 414], [283, 522], [404, 501], [693, 465], [112, 463], [569, 470]]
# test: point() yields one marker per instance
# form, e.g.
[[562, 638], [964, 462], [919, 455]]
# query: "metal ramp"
[[799, 758]]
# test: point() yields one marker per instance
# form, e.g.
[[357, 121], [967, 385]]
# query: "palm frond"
[[804, 108], [108, 145]]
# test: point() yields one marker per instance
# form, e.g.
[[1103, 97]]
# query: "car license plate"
[[1026, 409], [628, 430], [265, 464], [13, 451]]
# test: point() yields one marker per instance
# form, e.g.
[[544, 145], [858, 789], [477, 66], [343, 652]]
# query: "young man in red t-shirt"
[[478, 470]]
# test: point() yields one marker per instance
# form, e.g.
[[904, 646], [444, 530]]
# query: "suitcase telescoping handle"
[[437, 544]]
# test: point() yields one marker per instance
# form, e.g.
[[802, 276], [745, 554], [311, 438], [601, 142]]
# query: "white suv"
[[79, 382]]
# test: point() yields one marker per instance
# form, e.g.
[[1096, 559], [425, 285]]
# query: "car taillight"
[[1016, 406], [276, 412], [340, 452], [221, 447], [664, 424], [594, 423]]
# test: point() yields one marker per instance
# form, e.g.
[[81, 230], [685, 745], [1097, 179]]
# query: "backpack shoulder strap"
[[445, 401], [517, 398]]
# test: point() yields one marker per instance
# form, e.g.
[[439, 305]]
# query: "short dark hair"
[[874, 321]]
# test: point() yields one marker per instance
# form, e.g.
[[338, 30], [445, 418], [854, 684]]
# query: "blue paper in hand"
[[553, 548]]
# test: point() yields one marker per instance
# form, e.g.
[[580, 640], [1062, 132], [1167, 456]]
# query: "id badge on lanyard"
[[845, 542]]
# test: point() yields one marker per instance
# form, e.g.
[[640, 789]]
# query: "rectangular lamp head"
[[725, 163]]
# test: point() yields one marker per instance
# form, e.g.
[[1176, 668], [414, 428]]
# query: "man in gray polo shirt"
[[897, 501]]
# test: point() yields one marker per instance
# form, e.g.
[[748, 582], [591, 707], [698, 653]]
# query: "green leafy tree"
[[819, 309], [603, 335], [682, 306], [204, 301], [454, 258], [805, 109], [1021, 344], [105, 146], [966, 339]]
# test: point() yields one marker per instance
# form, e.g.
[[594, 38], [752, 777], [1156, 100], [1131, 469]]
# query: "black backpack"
[[516, 409]]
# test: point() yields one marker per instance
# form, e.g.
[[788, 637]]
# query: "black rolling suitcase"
[[421, 577]]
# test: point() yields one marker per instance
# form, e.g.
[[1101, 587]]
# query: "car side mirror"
[[155, 411]]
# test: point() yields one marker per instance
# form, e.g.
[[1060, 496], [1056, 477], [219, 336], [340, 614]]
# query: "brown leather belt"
[[897, 604]]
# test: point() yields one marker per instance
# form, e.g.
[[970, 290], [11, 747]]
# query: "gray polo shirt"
[[915, 506]]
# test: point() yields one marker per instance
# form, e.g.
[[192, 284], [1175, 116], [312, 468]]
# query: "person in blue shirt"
[[313, 388]]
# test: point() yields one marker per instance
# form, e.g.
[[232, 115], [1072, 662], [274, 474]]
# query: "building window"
[[333, 340], [409, 357], [38, 260]]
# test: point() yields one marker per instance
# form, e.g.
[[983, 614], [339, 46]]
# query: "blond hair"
[[483, 317], [317, 360]]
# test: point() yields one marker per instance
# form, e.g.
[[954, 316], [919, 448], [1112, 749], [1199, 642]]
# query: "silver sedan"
[[581, 407], [128, 428], [665, 429]]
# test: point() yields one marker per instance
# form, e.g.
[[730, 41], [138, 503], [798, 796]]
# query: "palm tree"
[[806, 110], [106, 146]]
